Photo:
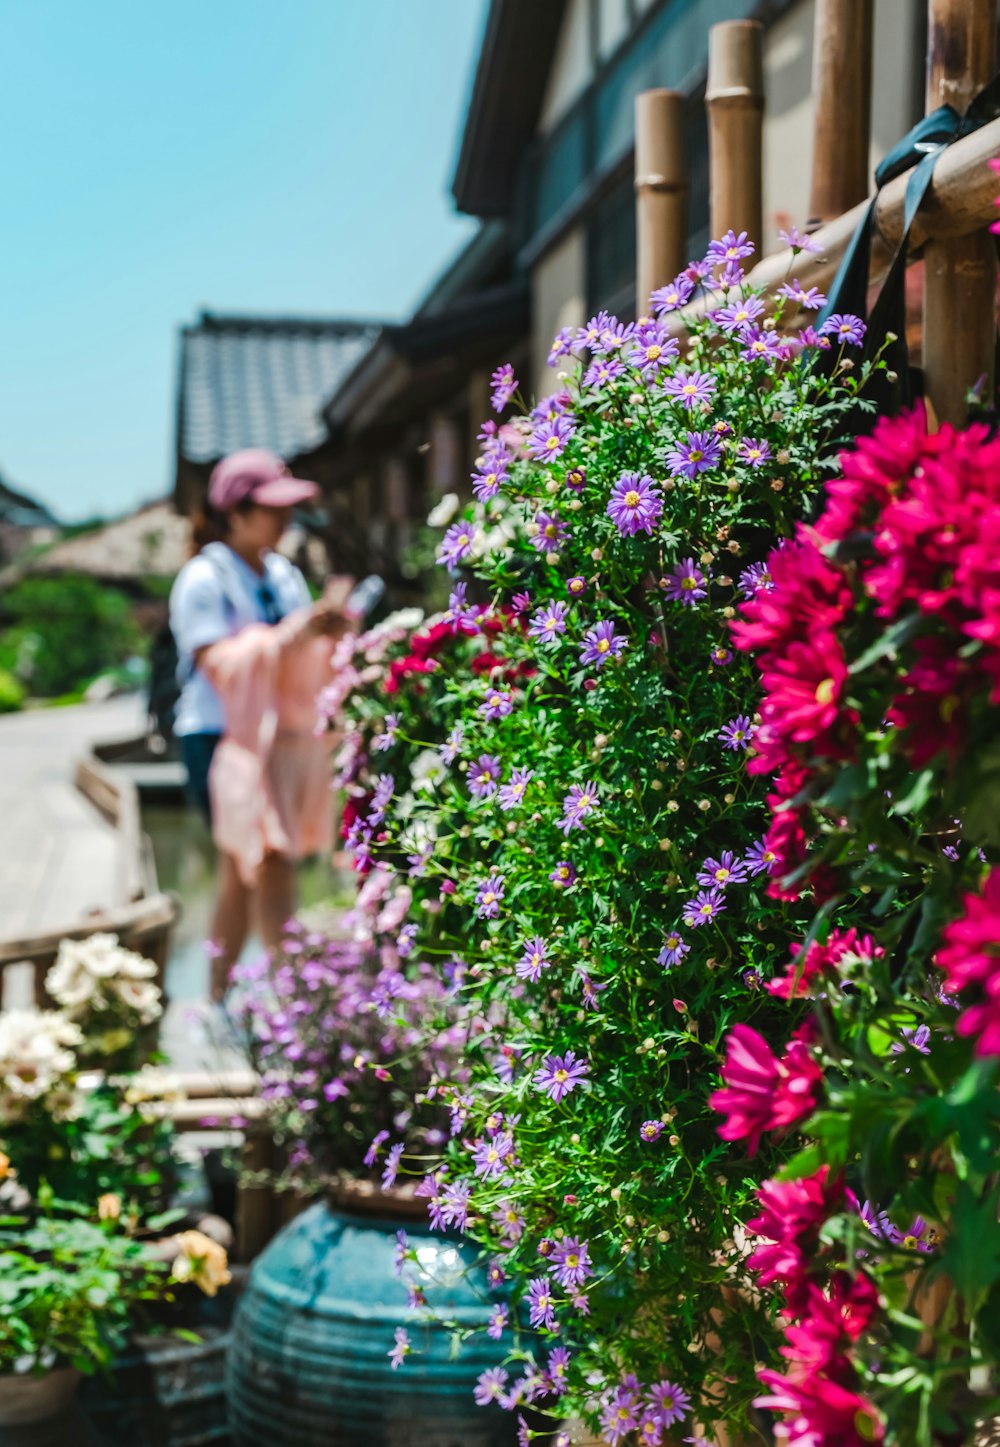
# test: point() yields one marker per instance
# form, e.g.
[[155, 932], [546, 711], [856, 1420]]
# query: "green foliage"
[[64, 630], [11, 692]]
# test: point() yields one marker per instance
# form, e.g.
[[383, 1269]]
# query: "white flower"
[[152, 1083], [98, 972], [36, 1050], [428, 770], [442, 512], [141, 997]]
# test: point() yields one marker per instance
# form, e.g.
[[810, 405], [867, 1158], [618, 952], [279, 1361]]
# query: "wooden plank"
[[842, 95], [137, 925], [734, 97], [660, 190]]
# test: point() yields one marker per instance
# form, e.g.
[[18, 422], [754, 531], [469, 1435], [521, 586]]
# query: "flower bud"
[[666, 844], [597, 554]]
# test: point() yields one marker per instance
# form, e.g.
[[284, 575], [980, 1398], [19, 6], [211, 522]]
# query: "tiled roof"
[[261, 382]]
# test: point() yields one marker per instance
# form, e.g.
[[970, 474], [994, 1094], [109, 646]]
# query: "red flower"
[[873, 472], [789, 1227], [762, 1092], [822, 960], [802, 689], [786, 835], [969, 956], [402, 668], [820, 1412], [809, 595], [932, 711]]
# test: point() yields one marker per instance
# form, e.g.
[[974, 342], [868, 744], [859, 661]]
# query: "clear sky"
[[164, 155]]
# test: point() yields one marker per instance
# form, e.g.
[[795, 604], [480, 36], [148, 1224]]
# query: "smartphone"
[[365, 597]]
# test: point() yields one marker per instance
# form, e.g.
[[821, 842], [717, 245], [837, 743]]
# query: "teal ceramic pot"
[[309, 1365]]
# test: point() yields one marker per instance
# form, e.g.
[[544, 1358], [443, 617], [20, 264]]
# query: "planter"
[[309, 1364], [27, 1398]]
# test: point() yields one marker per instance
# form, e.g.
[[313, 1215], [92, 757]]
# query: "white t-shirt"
[[214, 596]]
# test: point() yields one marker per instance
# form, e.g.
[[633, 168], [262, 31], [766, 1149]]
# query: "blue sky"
[[242, 155]]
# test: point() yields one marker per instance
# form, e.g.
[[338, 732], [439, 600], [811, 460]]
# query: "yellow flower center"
[[489, 897], [741, 316], [722, 875], [464, 539], [603, 646], [752, 453], [561, 1075], [536, 958], [551, 442], [696, 454], [826, 691], [689, 389], [706, 908], [688, 583], [572, 1260], [631, 498]]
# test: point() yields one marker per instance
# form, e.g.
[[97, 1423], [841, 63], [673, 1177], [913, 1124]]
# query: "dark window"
[[611, 253]]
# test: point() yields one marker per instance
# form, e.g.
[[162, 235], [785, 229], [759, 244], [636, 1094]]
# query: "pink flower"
[[821, 1413], [808, 595], [970, 956], [789, 1224], [822, 960], [762, 1092]]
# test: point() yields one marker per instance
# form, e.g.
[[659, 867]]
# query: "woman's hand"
[[326, 616]]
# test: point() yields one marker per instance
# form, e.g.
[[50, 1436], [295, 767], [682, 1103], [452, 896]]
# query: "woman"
[[253, 651]]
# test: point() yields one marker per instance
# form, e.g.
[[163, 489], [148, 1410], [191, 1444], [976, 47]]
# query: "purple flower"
[[589, 990], [401, 1349], [541, 1311], [455, 1201], [560, 1074], [375, 1149], [578, 804], [729, 248], [753, 451], [674, 950], [564, 875], [497, 1322], [520, 602], [738, 732], [591, 336], [505, 384], [496, 705], [811, 298], [381, 799], [673, 296], [391, 1168], [738, 314], [460, 613], [549, 440], [508, 1218], [651, 1130], [731, 275], [551, 531], [844, 328], [484, 776], [486, 483], [556, 1371], [671, 1402], [755, 579], [562, 345], [495, 1275], [533, 961], [686, 584], [576, 585], [490, 1386], [759, 344], [715, 874], [650, 1429], [915, 1035], [512, 793], [551, 407], [653, 348], [549, 622], [490, 1155], [571, 1261], [620, 1415], [387, 737], [404, 941], [616, 334], [636, 504], [810, 337], [576, 479], [690, 388], [489, 894], [721, 656], [601, 643], [455, 545], [450, 748], [603, 370], [798, 241], [759, 859], [706, 904], [700, 452]]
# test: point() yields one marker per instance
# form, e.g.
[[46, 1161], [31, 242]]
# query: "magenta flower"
[[541, 1308], [673, 296], [673, 951], [690, 388], [843, 327], [520, 602], [687, 584], [505, 384], [578, 805], [636, 504], [729, 248], [651, 1130], [402, 1348], [549, 622], [456, 545], [564, 875], [706, 904], [571, 1261], [738, 314], [548, 441], [551, 531], [533, 961], [671, 1402], [484, 776], [811, 298], [560, 1074], [489, 894], [653, 347], [798, 240], [512, 793], [753, 451], [717, 873], [699, 452], [601, 643], [496, 705], [490, 1386], [738, 732]]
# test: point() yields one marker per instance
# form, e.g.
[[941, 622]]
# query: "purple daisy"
[[489, 894], [916, 1036], [755, 579], [505, 384], [758, 344], [391, 1168], [402, 1348], [496, 705], [706, 904], [375, 1149], [509, 1220], [672, 1403], [715, 874], [452, 745], [562, 345], [551, 531], [722, 657], [490, 1386], [520, 602], [387, 737], [601, 643], [497, 1321], [564, 875], [811, 298], [687, 584], [798, 240], [738, 732], [556, 1369], [578, 805], [731, 275], [381, 799], [490, 1155], [576, 585], [456, 545], [591, 337], [845, 328], [738, 314], [699, 452], [576, 479], [760, 858], [533, 961], [571, 1261], [484, 775], [621, 1415], [729, 247], [616, 334], [651, 1130], [487, 481], [549, 622], [603, 370], [690, 388], [541, 1308], [549, 440], [673, 951], [560, 1074], [650, 1429], [652, 348], [461, 614], [673, 296], [512, 793], [635, 505], [753, 451]]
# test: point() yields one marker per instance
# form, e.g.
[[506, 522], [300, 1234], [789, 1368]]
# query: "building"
[[24, 523]]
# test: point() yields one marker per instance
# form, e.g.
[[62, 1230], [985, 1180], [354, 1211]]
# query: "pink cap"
[[258, 476]]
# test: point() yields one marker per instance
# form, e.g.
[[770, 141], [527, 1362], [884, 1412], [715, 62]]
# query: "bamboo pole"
[[960, 274], [734, 96], [842, 93], [660, 190]]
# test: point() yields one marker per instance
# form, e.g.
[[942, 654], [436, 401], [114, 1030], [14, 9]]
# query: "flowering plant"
[[589, 847], [877, 646], [108, 990]]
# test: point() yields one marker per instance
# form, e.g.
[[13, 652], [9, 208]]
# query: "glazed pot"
[[309, 1362], [29, 1397]]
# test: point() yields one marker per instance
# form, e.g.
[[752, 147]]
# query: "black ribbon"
[[918, 152]]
